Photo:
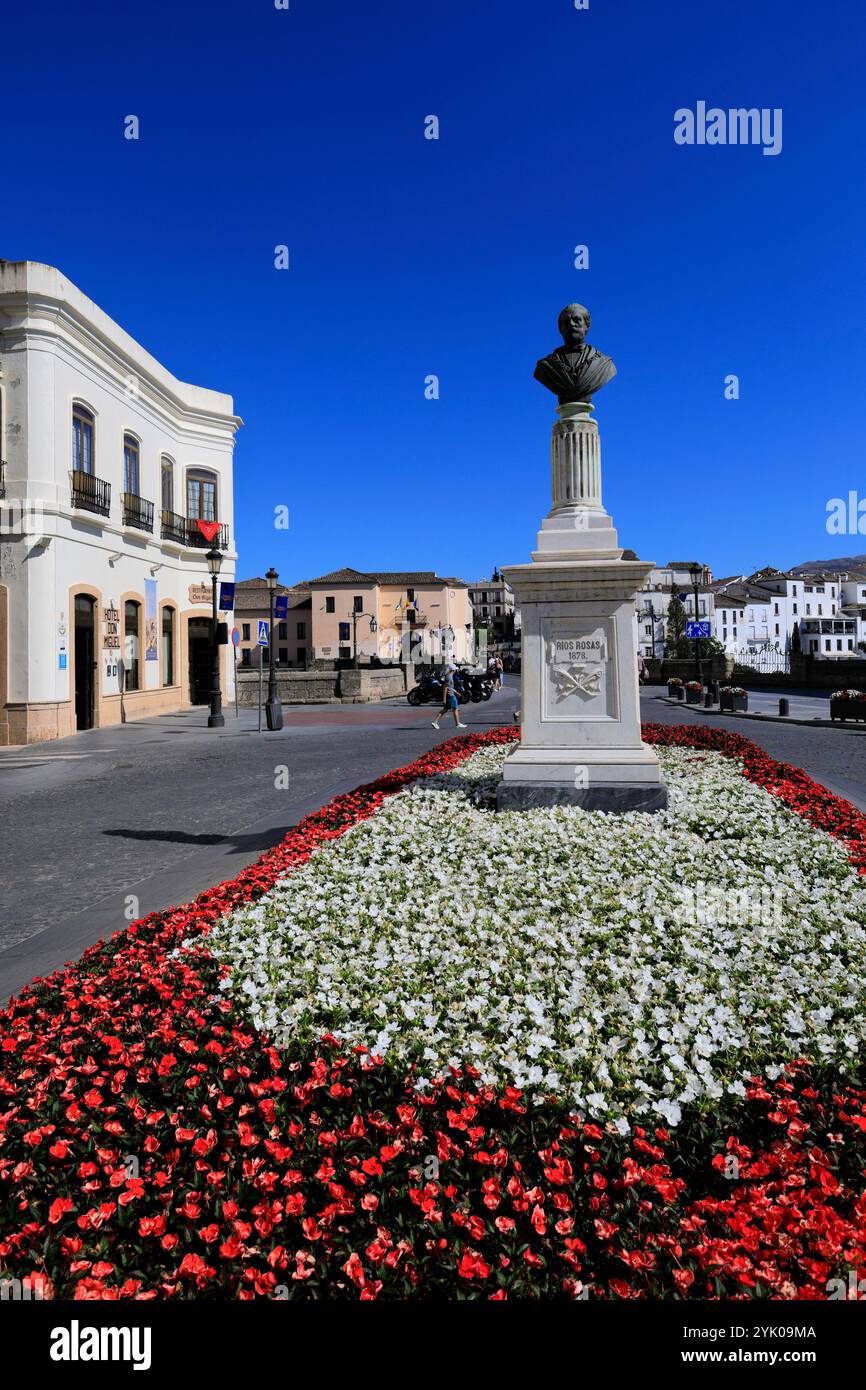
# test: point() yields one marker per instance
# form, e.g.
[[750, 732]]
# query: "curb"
[[814, 723]]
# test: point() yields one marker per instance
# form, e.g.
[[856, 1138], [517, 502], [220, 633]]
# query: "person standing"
[[449, 700]]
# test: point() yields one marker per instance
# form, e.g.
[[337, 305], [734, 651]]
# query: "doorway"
[[85, 665], [199, 661]]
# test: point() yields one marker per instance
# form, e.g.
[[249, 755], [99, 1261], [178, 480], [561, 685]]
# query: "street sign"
[[697, 630], [281, 607], [227, 596], [264, 640], [236, 637]]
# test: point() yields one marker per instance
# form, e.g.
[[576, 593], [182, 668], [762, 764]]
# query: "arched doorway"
[[199, 660], [85, 662]]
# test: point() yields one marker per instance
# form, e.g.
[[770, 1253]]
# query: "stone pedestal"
[[580, 713]]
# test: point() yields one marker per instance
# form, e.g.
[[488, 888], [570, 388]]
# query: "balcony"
[[137, 511], [195, 538], [90, 494], [184, 531]]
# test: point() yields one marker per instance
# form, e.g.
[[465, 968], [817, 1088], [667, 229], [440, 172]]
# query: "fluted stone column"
[[577, 521]]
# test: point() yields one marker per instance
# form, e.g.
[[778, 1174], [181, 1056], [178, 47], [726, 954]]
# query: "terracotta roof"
[[400, 577]]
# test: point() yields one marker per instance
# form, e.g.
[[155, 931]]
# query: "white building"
[[652, 602], [109, 462], [774, 603]]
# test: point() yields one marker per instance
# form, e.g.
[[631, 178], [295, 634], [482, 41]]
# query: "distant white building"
[[652, 602], [109, 463]]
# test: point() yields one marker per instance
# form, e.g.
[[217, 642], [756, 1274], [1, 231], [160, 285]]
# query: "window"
[[130, 464], [850, 645], [793, 607], [168, 646], [808, 608], [246, 656], [283, 632], [245, 631], [167, 485], [302, 656], [131, 644], [329, 605], [284, 655], [777, 629], [828, 645], [201, 496], [724, 634], [345, 653], [83, 425], [839, 645], [358, 603], [302, 630], [410, 595], [775, 610]]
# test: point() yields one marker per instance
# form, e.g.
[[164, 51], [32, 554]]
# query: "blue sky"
[[453, 257]]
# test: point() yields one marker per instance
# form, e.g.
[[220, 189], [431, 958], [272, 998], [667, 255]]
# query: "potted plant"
[[733, 697], [694, 692], [675, 688], [848, 704]]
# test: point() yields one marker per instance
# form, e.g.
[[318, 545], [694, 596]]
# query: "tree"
[[796, 645], [676, 642]]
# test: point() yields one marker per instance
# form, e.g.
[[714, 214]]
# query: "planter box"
[[848, 709], [675, 691], [694, 697], [733, 702]]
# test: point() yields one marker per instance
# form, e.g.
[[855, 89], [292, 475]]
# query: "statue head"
[[574, 324]]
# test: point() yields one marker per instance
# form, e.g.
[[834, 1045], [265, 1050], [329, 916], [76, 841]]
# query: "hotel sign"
[[199, 593], [111, 618]]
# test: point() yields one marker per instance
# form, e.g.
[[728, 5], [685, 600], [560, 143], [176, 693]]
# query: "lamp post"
[[696, 579], [273, 708], [374, 627], [216, 719]]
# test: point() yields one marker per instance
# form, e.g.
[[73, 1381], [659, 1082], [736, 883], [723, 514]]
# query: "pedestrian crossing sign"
[[263, 632]]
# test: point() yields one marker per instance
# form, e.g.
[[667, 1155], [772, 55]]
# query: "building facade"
[[494, 609], [293, 642], [384, 614], [110, 463], [652, 603]]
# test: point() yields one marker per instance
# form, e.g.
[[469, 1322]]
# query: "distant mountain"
[[836, 563]]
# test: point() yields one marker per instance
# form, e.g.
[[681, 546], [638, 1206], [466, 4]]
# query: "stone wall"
[[326, 687]]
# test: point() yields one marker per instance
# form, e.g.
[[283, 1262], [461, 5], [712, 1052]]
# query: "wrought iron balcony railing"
[[137, 511], [195, 538], [89, 493], [173, 528]]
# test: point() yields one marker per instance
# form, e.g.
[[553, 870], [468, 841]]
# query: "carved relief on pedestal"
[[579, 675]]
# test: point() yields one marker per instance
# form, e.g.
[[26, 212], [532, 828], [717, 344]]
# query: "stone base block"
[[614, 797]]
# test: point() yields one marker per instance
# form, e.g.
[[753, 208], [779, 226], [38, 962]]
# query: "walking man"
[[449, 700]]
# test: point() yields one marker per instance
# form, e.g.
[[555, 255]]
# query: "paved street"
[[156, 811]]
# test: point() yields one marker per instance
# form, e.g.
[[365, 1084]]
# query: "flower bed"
[[153, 1144]]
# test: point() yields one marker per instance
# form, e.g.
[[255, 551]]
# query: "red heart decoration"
[[208, 529]]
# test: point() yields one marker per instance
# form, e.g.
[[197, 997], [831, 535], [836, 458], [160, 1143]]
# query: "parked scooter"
[[480, 688]]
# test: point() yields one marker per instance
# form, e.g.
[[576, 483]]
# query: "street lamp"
[[374, 627], [216, 719], [696, 574], [273, 708]]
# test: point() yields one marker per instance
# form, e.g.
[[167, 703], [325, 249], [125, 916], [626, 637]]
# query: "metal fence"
[[762, 660]]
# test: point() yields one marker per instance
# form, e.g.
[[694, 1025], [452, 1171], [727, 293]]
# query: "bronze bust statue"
[[576, 370]]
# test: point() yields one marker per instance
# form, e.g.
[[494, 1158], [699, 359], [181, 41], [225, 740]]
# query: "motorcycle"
[[480, 688]]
